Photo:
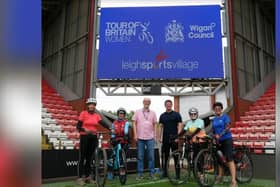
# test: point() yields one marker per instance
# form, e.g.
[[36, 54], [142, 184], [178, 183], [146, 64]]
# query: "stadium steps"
[[256, 129], [59, 120]]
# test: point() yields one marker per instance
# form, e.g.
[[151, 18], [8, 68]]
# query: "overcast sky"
[[130, 102]]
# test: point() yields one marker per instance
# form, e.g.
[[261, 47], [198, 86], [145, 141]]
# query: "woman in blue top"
[[221, 126]]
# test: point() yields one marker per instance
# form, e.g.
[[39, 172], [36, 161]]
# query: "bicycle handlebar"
[[103, 133], [98, 134], [172, 138], [209, 138]]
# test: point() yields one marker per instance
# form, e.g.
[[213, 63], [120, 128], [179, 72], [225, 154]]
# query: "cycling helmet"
[[121, 110], [91, 100], [193, 110]]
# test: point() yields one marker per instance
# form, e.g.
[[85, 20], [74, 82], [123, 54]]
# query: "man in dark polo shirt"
[[170, 125]]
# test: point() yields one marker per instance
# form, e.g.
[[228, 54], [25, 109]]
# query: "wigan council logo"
[[174, 32]]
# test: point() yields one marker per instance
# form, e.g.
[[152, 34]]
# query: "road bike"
[[100, 161], [206, 164], [180, 163], [117, 161]]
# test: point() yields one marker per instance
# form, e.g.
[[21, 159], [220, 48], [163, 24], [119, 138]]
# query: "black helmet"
[[218, 104], [121, 110]]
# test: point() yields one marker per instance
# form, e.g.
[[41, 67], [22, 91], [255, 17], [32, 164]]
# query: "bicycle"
[[100, 161], [206, 164], [183, 161], [244, 164], [117, 161]]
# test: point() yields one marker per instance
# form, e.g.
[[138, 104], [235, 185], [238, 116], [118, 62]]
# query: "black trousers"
[[165, 152], [88, 144]]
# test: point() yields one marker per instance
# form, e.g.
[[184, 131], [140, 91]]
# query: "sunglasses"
[[193, 114], [92, 104]]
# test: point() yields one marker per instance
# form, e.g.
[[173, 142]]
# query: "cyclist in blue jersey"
[[221, 129]]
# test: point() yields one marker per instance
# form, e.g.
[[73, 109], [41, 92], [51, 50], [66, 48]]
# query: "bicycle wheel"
[[100, 167], [191, 164], [244, 167], [205, 168], [178, 169], [122, 167]]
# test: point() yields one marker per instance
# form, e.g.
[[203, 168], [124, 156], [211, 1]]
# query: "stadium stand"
[[58, 121], [256, 129]]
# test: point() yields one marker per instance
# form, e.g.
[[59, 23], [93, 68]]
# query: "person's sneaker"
[[110, 176], [89, 180], [219, 180], [152, 177], [80, 182], [139, 177], [164, 175], [201, 177]]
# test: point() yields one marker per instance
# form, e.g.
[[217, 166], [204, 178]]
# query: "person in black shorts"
[[221, 126], [170, 126]]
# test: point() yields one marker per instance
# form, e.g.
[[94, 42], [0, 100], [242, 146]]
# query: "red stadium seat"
[[248, 144], [239, 124], [258, 151], [249, 129], [233, 130], [259, 129], [71, 135], [73, 112], [71, 122], [253, 137], [237, 143], [264, 137], [66, 128], [270, 129], [259, 145], [240, 130], [67, 112], [243, 136], [244, 118], [235, 136]]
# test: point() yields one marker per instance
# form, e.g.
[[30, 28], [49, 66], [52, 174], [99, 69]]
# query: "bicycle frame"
[[117, 162], [190, 151], [213, 151], [115, 156], [246, 173], [185, 162], [100, 172]]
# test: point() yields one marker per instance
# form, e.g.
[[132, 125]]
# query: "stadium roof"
[[50, 9]]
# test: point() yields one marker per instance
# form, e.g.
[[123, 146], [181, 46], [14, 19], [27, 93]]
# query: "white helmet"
[[91, 100], [193, 110]]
